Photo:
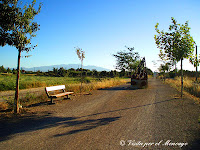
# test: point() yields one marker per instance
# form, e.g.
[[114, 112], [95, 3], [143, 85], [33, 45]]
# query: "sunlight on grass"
[[72, 84], [189, 85]]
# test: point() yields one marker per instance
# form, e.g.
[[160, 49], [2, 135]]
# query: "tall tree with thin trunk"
[[17, 29], [176, 44], [81, 55], [195, 61]]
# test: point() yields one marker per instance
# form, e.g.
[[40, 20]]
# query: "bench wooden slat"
[[61, 94]]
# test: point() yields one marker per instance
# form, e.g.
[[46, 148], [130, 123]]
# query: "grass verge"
[[33, 98], [190, 88]]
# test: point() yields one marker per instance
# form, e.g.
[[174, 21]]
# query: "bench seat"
[[61, 94], [50, 91]]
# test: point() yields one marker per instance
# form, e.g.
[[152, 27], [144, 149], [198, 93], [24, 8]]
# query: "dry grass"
[[88, 87], [3, 106], [31, 98], [191, 88]]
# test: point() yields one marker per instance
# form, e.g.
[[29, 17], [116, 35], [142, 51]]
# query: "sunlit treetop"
[[16, 24]]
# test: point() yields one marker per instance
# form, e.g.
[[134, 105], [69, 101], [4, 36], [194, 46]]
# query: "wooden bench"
[[56, 91]]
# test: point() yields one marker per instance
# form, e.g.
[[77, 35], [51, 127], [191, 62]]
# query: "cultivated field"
[[7, 81]]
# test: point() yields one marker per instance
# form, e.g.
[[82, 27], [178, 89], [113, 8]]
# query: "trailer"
[[140, 77]]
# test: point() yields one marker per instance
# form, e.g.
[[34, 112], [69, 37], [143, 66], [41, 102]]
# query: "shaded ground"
[[103, 119]]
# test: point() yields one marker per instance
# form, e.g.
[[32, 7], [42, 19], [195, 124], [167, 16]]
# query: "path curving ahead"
[[106, 119]]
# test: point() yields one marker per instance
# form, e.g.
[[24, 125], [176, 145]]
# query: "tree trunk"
[[81, 75], [175, 69], [16, 101], [196, 66], [181, 77]]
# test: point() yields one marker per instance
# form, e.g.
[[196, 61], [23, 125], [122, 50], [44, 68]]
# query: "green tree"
[[95, 73], [61, 72], [55, 71], [14, 71], [103, 74], [112, 75], [9, 70], [195, 61], [164, 68], [176, 44], [17, 29], [122, 73], [2, 69], [127, 60]]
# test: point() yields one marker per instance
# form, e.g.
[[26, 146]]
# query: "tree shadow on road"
[[84, 125], [134, 107], [126, 87], [93, 123], [28, 123]]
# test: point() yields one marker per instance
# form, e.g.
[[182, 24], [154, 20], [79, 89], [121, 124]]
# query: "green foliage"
[[17, 29], [2, 69], [16, 26], [172, 74], [86, 80], [127, 60], [9, 70], [194, 60], [164, 67], [175, 44]]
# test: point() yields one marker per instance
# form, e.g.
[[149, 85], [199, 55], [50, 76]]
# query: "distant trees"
[[2, 69], [8, 70], [17, 29], [164, 68], [61, 72], [176, 44]]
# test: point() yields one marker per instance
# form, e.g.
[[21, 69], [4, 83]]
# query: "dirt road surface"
[[109, 119]]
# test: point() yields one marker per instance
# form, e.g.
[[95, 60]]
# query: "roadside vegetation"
[[73, 84], [175, 45], [7, 81], [190, 87], [42, 79], [30, 79]]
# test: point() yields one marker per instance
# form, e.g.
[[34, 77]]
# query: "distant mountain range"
[[65, 66]]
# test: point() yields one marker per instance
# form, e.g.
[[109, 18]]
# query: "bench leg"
[[67, 97], [51, 100]]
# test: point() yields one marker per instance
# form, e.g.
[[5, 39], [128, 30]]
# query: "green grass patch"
[[8, 82]]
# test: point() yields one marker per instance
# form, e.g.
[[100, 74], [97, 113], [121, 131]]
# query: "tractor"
[[139, 77]]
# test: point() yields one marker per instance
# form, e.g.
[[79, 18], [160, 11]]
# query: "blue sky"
[[101, 28]]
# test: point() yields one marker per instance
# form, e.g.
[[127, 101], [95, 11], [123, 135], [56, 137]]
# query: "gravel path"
[[151, 118]]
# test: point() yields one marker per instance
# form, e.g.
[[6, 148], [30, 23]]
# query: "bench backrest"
[[55, 88]]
